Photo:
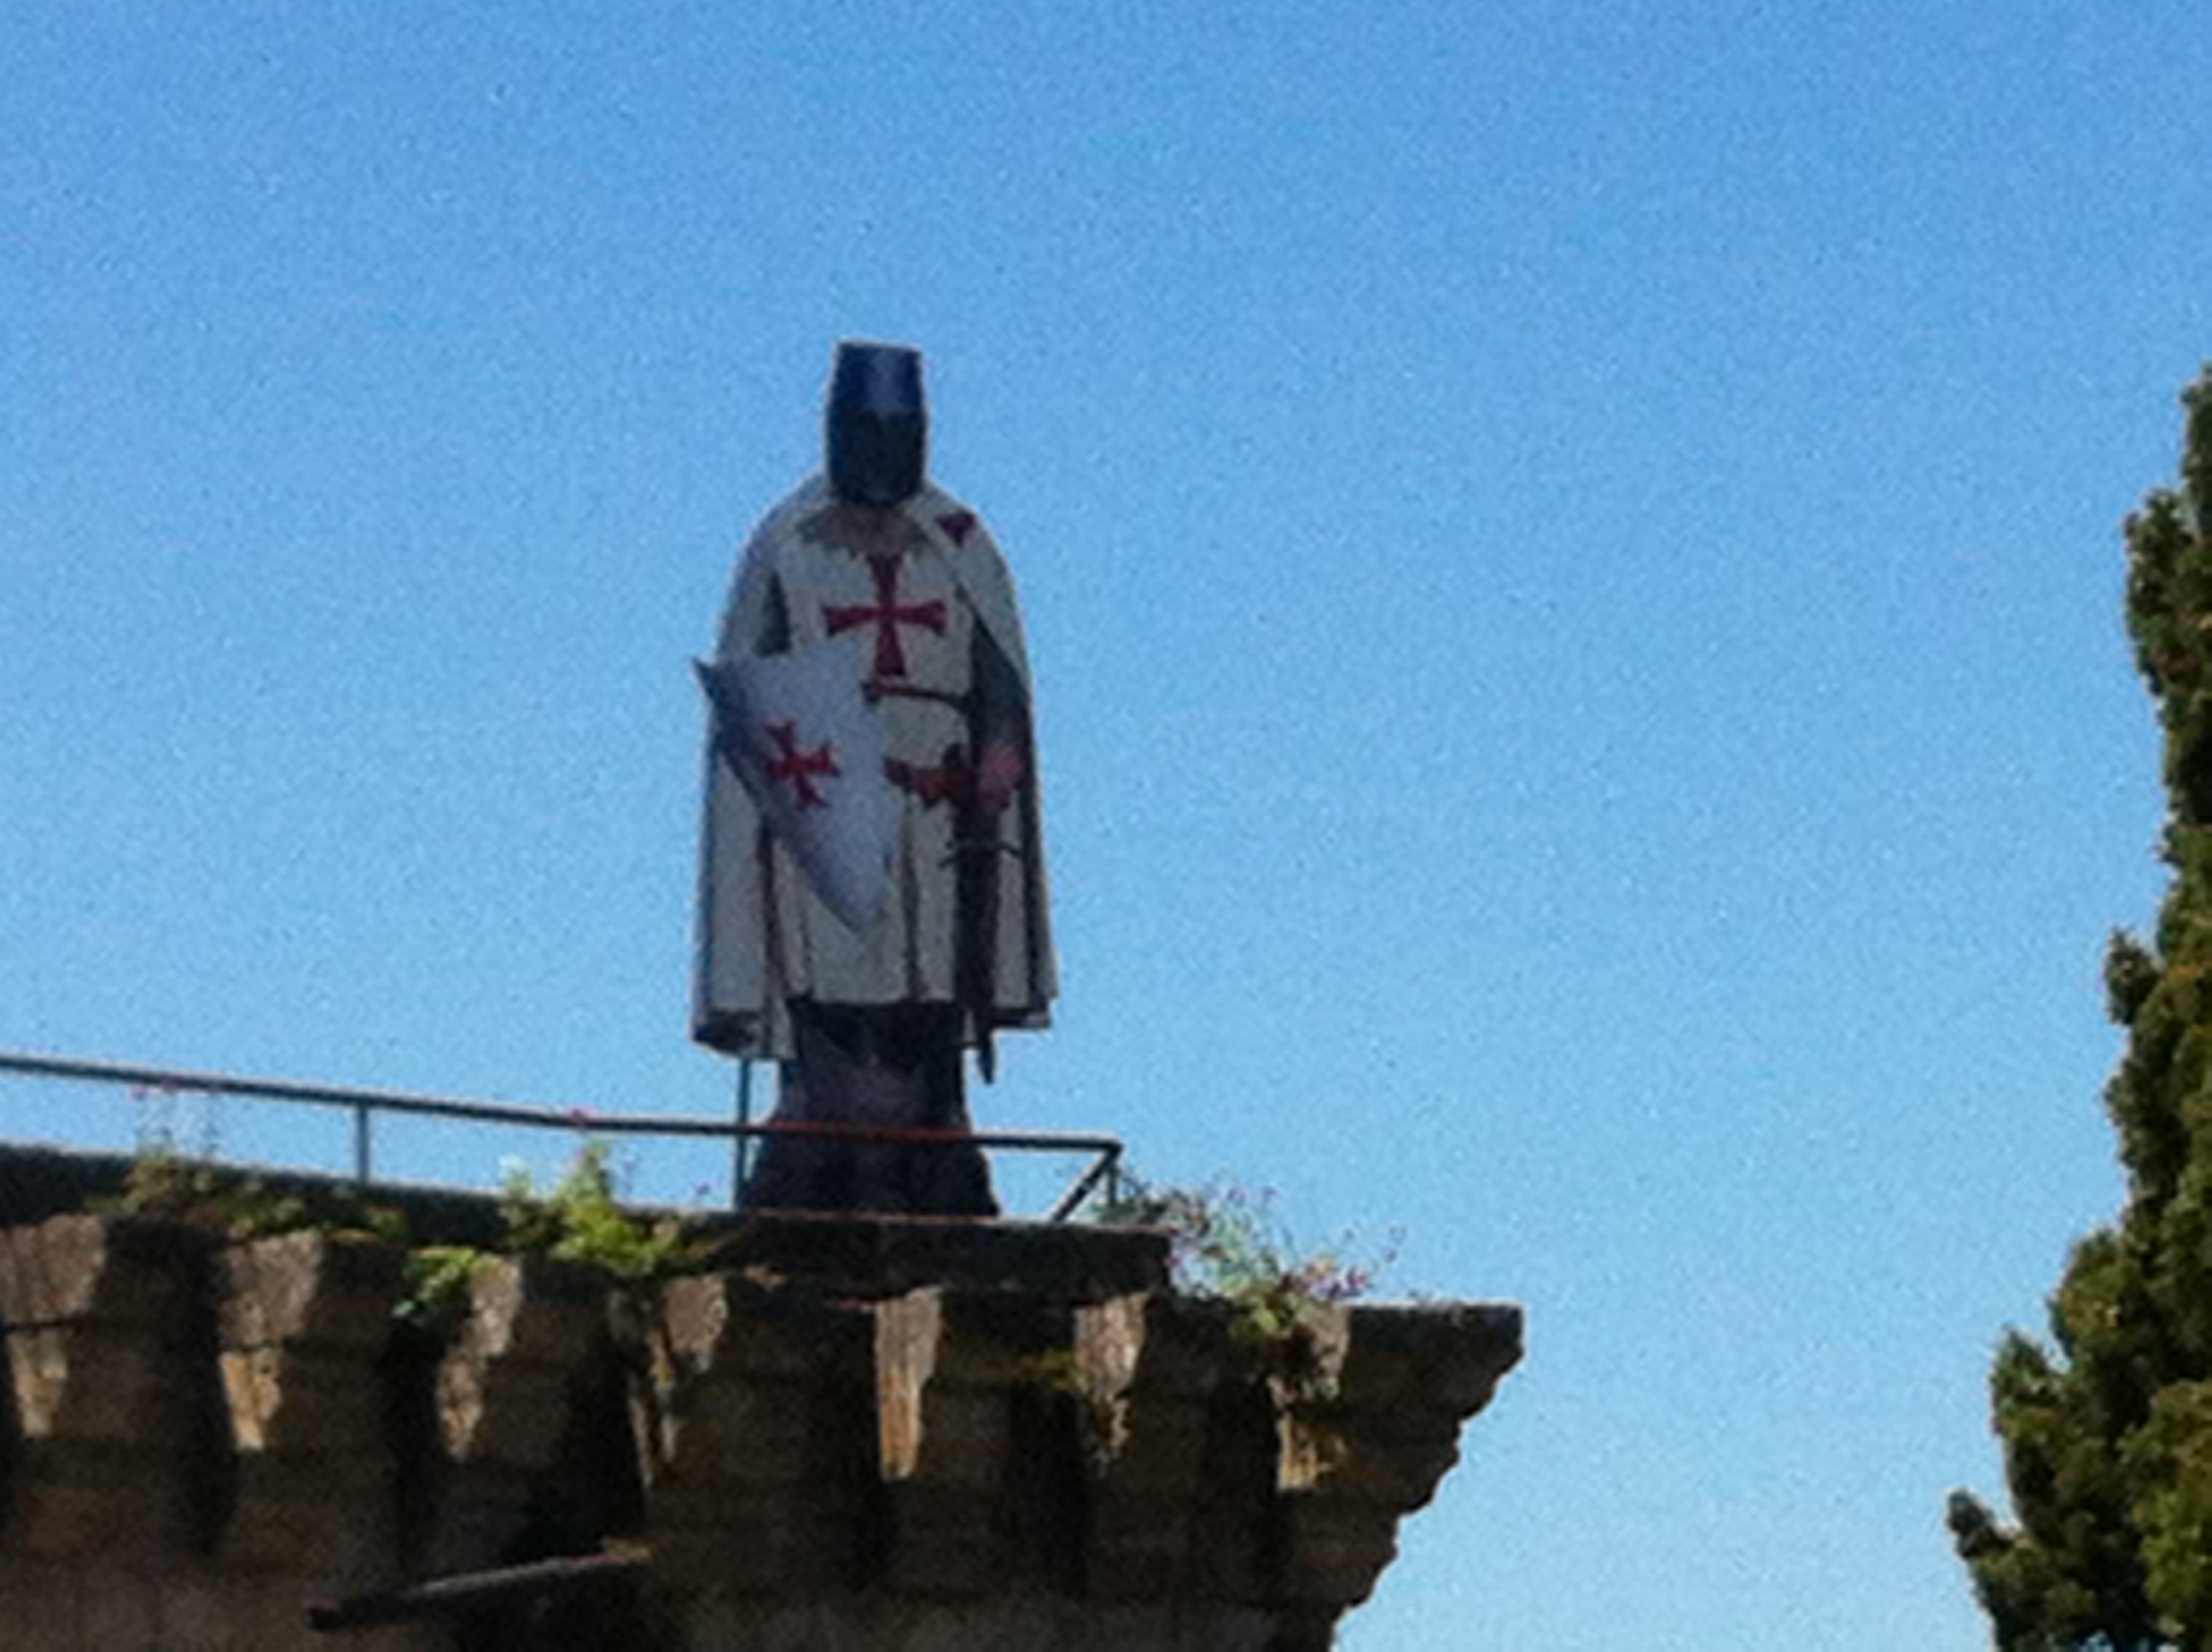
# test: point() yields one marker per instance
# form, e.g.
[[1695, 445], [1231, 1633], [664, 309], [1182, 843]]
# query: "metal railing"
[[1104, 1169]]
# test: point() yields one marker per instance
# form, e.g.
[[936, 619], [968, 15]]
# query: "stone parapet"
[[304, 1318], [201, 1437]]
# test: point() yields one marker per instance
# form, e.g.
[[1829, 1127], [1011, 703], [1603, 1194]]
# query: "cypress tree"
[[2107, 1430]]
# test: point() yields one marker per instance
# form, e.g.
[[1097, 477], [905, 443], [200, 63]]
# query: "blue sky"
[[1571, 562]]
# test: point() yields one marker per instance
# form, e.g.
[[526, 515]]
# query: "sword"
[[998, 714], [976, 848]]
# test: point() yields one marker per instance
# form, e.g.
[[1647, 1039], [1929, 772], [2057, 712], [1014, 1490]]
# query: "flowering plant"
[[1229, 1244]]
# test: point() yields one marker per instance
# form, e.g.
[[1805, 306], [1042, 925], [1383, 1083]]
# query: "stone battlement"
[[937, 1435]]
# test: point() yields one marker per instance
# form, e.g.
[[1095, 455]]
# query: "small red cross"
[[887, 616], [800, 768]]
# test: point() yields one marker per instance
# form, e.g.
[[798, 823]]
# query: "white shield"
[[797, 732]]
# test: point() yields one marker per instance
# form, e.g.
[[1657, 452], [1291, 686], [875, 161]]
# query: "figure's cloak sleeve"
[[764, 938]]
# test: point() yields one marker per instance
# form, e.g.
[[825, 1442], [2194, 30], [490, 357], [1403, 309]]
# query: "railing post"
[[740, 1143], [361, 1165]]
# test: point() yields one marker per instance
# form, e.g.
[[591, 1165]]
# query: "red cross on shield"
[[798, 733], [797, 768]]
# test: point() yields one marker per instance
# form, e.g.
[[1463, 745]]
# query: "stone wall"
[[849, 1435]]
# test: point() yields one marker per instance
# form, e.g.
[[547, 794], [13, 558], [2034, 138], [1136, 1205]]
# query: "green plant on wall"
[[167, 1183], [581, 1220], [1230, 1245], [434, 1292]]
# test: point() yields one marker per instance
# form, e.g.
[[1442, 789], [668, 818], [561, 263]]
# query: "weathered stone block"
[[503, 1387], [122, 1610], [305, 1318], [332, 1291], [38, 1600], [113, 1383], [95, 1307], [1334, 1551], [977, 1443], [505, 1401], [945, 1364], [1439, 1356], [765, 1437], [867, 1257]]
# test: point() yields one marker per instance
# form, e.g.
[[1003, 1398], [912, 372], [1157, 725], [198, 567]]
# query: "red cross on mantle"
[[887, 616], [800, 768]]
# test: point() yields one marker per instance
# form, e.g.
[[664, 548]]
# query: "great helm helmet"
[[877, 427]]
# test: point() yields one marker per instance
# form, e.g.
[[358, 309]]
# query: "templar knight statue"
[[872, 887]]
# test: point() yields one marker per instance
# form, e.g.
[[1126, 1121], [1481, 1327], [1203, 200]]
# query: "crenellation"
[[505, 1391], [305, 1317], [965, 1463], [762, 1480], [1148, 1366], [978, 1441], [111, 1413]]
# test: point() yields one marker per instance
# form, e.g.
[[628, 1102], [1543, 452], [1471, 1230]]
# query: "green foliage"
[[174, 1186], [436, 1295], [2108, 1434], [165, 1183], [581, 1221], [2171, 1460], [1230, 1245]]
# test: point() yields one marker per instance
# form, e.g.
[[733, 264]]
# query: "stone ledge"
[[869, 1257], [843, 1451]]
